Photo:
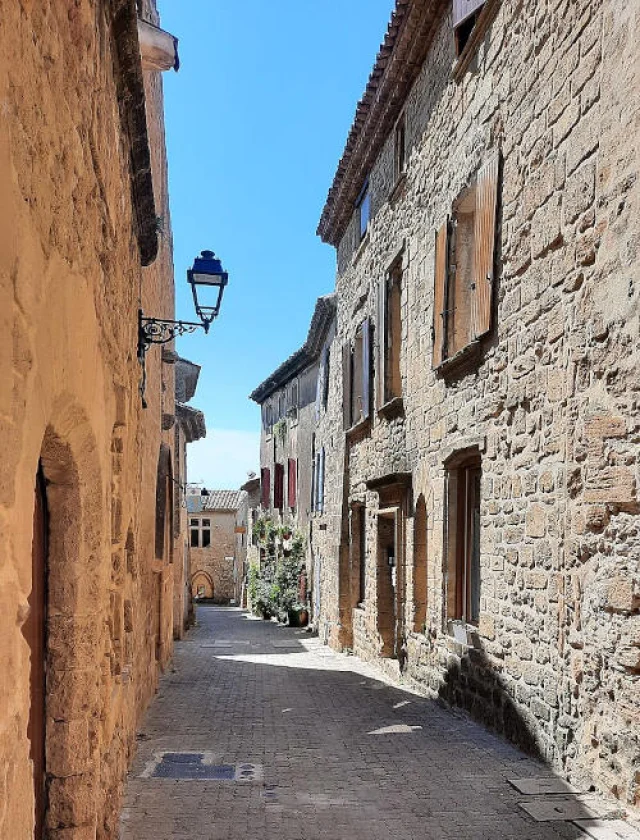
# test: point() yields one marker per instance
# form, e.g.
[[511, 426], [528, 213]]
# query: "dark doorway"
[[34, 630], [389, 586]]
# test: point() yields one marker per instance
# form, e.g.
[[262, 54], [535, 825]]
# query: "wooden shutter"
[[381, 342], [278, 487], [292, 482], [346, 385], [462, 9], [484, 245], [439, 293], [265, 486], [321, 480], [366, 368]]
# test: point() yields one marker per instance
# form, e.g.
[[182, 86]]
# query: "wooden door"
[[35, 633]]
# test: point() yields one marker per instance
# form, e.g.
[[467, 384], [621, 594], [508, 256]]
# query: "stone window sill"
[[392, 408], [462, 362], [479, 30], [359, 430]]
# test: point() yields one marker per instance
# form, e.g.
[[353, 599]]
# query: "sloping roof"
[[223, 500], [323, 315], [398, 63]]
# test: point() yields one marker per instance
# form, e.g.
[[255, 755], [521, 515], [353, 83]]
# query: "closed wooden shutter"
[[346, 385], [366, 368], [292, 482], [462, 9], [439, 293], [321, 480], [484, 245], [278, 487], [265, 487], [381, 343]]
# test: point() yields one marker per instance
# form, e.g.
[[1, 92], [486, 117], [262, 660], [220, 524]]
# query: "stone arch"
[[164, 506], [70, 469], [202, 579], [420, 594]]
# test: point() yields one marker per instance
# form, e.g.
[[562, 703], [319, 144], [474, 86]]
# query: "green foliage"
[[274, 588]]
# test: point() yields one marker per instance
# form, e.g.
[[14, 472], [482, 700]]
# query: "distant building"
[[216, 554], [189, 427], [293, 399]]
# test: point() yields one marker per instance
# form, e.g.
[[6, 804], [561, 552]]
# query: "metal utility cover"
[[541, 785], [608, 829], [564, 808], [199, 766]]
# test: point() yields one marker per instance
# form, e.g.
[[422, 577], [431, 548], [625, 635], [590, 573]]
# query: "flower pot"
[[298, 618]]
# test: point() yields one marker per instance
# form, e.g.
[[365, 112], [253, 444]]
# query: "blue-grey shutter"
[[366, 368]]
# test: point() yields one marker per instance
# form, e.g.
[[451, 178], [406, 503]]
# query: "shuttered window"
[[465, 15], [320, 481], [389, 337], [464, 266], [292, 481], [265, 487], [278, 487], [463, 9], [357, 370]]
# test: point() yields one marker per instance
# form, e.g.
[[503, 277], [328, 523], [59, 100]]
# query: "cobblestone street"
[[338, 752]]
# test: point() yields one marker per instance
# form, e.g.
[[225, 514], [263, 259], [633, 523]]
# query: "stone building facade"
[[189, 427], [480, 527], [292, 400], [248, 515], [86, 489], [216, 551]]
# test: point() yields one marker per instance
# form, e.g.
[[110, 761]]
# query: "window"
[[278, 487], [389, 336], [293, 400], [359, 547], [325, 374], [399, 154], [464, 267], [265, 487], [268, 418], [317, 504], [356, 376], [281, 405], [465, 16], [292, 482], [200, 532], [463, 544], [363, 206]]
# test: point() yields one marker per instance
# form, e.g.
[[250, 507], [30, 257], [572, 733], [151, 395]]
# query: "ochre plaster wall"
[[70, 287]]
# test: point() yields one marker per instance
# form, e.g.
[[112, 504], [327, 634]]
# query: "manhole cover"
[[196, 766]]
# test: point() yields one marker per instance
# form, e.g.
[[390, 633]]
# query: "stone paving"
[[342, 753]]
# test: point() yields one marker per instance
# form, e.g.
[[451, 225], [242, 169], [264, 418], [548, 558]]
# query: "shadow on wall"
[[472, 682]]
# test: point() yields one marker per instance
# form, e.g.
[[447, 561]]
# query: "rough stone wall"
[[217, 560], [70, 285], [552, 405], [295, 443]]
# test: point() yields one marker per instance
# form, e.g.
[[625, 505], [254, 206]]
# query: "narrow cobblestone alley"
[[338, 752]]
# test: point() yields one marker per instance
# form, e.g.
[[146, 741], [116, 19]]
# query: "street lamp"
[[207, 274]]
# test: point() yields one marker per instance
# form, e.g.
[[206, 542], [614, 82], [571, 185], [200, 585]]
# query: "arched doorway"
[[202, 586], [34, 630]]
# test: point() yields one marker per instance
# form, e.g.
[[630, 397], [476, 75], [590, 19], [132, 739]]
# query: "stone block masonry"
[[85, 483], [523, 444]]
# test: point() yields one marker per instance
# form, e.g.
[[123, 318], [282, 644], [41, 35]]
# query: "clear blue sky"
[[256, 121]]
